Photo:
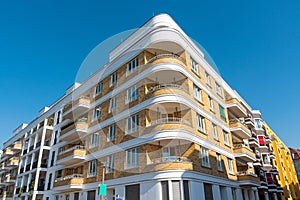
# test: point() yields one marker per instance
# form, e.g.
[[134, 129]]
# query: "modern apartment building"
[[156, 122], [296, 159], [283, 162]]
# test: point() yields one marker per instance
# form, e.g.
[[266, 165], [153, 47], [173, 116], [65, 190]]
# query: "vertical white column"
[[170, 186], [246, 196], [256, 195], [275, 196], [266, 196], [216, 191], [238, 193], [251, 195], [150, 190], [228, 193], [197, 191]]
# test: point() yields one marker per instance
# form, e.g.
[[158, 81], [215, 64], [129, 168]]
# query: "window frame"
[[194, 66], [197, 93], [204, 155], [92, 168], [230, 165], [134, 64], [110, 164], [132, 124], [219, 162], [132, 93], [112, 104], [98, 88], [215, 131], [132, 155], [113, 78], [94, 139], [111, 135], [201, 126]]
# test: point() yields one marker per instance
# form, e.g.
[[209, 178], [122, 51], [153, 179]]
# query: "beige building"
[[158, 120]]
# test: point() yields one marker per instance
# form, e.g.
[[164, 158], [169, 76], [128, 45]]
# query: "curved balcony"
[[167, 58], [238, 128], [76, 107], [243, 152], [72, 155], [169, 163], [234, 106], [248, 179], [73, 130], [167, 86], [69, 183]]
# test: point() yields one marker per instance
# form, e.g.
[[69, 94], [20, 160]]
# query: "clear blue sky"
[[255, 44]]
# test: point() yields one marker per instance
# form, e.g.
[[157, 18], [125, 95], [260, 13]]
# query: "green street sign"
[[102, 190]]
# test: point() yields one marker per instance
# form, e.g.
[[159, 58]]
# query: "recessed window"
[[98, 89], [113, 79], [219, 162], [215, 131], [92, 168], [169, 153], [132, 158], [94, 140], [111, 133], [204, 154], [226, 138], [132, 66], [197, 93], [257, 123], [230, 165], [132, 94], [112, 104], [110, 164], [132, 124], [97, 113], [194, 66], [218, 89], [211, 103], [222, 112], [207, 79], [201, 123]]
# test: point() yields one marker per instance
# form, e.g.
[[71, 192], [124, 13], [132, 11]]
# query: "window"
[[94, 140], [194, 66], [208, 191], [58, 117], [207, 78], [92, 169], [112, 104], [98, 89], [222, 112], [110, 164], [261, 140], [67, 197], [113, 79], [169, 153], [215, 131], [132, 66], [211, 103], [132, 158], [111, 133], [132, 94], [257, 123], [165, 190], [219, 162], [97, 113], [197, 93], [218, 89], [230, 165], [226, 138], [132, 124], [201, 123], [59, 173], [204, 154]]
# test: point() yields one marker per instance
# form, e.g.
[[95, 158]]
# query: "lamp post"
[[103, 178]]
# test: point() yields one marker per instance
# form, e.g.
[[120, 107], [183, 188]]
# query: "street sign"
[[102, 190]]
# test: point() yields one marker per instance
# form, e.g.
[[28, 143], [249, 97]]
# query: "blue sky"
[[255, 44]]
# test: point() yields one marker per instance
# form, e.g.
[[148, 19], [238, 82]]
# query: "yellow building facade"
[[283, 162]]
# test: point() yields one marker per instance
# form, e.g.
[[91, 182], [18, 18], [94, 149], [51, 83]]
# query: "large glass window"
[[132, 159], [132, 124], [92, 168], [111, 133], [94, 140], [204, 154], [197, 93], [201, 123], [132, 94], [132, 66]]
